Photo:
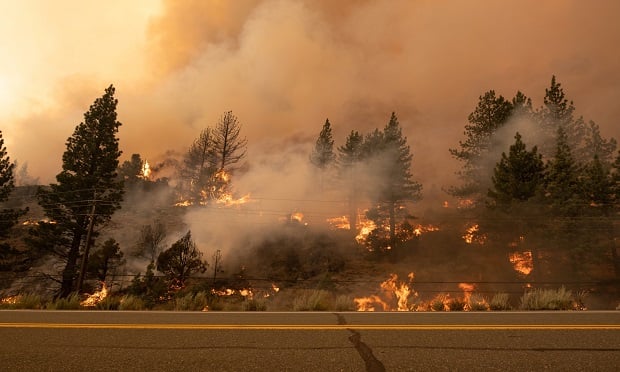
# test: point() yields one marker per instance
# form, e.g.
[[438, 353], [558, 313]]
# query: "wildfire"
[[392, 288], [146, 170], [11, 300], [228, 200], [365, 227], [420, 229], [522, 262], [472, 236], [95, 298], [339, 222]]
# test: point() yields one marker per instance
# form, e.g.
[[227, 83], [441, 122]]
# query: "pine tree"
[[87, 191], [557, 111], [181, 260], [323, 153], [8, 216], [518, 176], [562, 181], [396, 184], [349, 158], [491, 114]]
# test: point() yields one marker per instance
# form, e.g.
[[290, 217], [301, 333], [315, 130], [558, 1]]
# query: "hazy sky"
[[283, 66]]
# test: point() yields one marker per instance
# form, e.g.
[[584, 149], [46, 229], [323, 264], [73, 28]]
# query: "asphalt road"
[[262, 341]]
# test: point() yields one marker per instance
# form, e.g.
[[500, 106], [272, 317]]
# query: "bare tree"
[[229, 147]]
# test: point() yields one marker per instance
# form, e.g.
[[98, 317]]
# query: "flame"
[[228, 200], [446, 204], [365, 227], [467, 289], [472, 236], [10, 300], [522, 262], [245, 292], [339, 222], [419, 229], [96, 297], [391, 288], [465, 203], [146, 170]]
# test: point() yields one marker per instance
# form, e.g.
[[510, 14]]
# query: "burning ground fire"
[[247, 293], [522, 261], [399, 295], [472, 235], [95, 298]]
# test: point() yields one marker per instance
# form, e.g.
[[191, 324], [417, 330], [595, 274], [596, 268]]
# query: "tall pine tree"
[[87, 191]]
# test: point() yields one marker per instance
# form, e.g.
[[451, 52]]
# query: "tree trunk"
[[70, 270], [392, 225]]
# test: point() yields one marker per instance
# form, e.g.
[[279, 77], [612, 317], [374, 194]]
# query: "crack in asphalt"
[[372, 363]]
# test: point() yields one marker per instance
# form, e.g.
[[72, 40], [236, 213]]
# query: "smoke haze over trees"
[[533, 172]]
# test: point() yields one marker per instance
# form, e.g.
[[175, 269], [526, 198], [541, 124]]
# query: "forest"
[[535, 208]]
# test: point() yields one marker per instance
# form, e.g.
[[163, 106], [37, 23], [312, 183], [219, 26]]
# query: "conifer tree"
[[562, 178], [87, 191], [8, 216], [349, 158], [181, 260], [396, 183], [518, 176], [491, 113], [323, 153]]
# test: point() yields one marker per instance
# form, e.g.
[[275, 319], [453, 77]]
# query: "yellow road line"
[[401, 327]]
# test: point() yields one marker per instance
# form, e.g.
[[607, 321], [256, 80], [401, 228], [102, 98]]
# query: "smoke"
[[284, 66]]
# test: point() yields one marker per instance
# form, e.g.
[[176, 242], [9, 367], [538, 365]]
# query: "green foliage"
[[191, 302], [109, 303], [88, 178], [547, 299], [130, 302], [150, 289], [518, 176], [181, 260], [491, 113], [71, 302]]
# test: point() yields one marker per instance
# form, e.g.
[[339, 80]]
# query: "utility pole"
[[89, 233]]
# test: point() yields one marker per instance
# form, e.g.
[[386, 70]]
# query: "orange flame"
[[420, 229], [472, 235], [391, 288], [146, 170], [339, 222], [96, 297], [522, 262]]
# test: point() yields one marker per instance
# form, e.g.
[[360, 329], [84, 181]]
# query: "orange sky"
[[284, 66]]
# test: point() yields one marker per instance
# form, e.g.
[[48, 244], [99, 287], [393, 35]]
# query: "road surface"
[[282, 341]]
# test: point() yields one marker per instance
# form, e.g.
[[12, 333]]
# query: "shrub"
[[129, 302], [439, 302], [456, 304], [191, 302], [344, 303], [477, 303], [547, 299], [254, 305], [500, 302], [70, 303], [109, 303], [315, 300]]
